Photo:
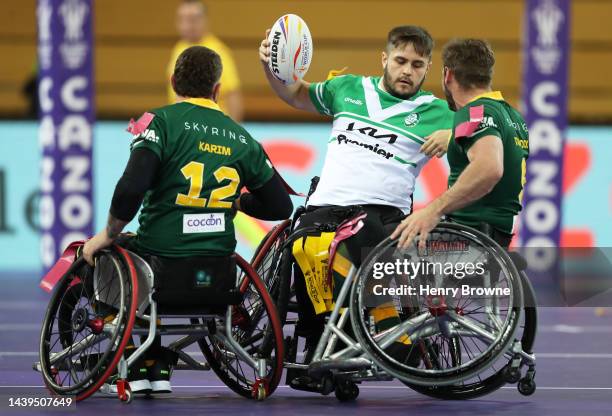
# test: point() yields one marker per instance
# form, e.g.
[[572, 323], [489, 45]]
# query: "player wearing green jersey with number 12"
[[382, 136], [188, 163], [487, 153]]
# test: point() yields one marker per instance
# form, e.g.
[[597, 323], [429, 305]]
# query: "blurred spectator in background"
[[29, 91], [192, 26]]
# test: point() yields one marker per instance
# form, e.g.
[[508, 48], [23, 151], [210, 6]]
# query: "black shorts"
[[379, 223]]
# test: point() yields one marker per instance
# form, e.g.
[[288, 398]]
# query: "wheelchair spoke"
[[468, 350], [471, 326], [483, 324], [73, 349]]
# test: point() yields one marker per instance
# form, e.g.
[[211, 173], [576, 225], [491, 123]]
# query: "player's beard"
[[449, 98], [388, 83]]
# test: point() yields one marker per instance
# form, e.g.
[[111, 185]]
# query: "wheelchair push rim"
[[275, 237], [88, 318], [427, 318]]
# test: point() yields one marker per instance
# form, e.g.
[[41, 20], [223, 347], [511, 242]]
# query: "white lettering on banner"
[[541, 216], [46, 133], [548, 17], [44, 13], [75, 211], [203, 223], [47, 212], [47, 167], [74, 49], [544, 135], [540, 93], [542, 254], [542, 180], [45, 50], [44, 94], [69, 238], [68, 93], [76, 168], [47, 250], [75, 129], [73, 14], [65, 133], [547, 53], [73, 54]]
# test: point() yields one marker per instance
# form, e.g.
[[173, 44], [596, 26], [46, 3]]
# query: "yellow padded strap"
[[300, 251]]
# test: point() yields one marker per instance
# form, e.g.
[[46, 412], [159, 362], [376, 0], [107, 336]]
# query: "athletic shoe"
[[160, 372]]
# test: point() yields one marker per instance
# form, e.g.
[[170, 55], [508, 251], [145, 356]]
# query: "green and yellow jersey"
[[490, 115], [206, 158]]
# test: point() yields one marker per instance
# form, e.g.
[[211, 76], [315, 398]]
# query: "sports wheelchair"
[[468, 346], [94, 313]]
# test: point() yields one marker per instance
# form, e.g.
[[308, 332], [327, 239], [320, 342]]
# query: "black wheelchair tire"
[[425, 378], [498, 379]]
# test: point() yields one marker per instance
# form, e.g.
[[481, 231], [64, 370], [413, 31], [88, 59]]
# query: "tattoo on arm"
[[114, 227]]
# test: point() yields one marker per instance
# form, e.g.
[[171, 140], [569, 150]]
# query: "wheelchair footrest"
[[351, 364]]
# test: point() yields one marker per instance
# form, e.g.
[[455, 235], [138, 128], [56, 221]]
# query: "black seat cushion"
[[195, 285]]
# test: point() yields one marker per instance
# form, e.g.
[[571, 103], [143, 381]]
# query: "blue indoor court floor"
[[574, 377]]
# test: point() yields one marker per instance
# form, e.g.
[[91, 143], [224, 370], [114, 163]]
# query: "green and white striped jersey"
[[373, 153]]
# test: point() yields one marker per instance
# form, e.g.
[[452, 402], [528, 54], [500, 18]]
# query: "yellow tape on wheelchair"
[[312, 255]]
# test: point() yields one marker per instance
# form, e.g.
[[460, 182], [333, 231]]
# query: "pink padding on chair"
[[345, 230], [137, 127], [467, 128], [60, 267]]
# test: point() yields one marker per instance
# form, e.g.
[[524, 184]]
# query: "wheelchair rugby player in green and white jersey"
[[384, 131]]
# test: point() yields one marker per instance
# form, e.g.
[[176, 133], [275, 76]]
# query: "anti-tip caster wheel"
[[346, 391], [512, 375], [123, 391], [526, 387], [261, 393], [126, 397], [259, 390]]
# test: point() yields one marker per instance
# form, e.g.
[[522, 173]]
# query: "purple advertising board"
[[545, 79], [66, 95]]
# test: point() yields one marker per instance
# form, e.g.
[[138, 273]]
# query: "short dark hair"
[[196, 72], [419, 38], [199, 2], [471, 61]]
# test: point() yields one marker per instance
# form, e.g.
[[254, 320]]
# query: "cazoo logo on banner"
[[67, 116]]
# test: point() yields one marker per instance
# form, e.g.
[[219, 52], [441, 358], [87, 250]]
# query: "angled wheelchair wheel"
[[254, 321], [269, 248], [87, 324], [268, 264], [495, 377], [453, 321]]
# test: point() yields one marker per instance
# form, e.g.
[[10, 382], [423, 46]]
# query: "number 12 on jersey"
[[194, 173]]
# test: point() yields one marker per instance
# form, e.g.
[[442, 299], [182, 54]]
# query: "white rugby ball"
[[290, 48]]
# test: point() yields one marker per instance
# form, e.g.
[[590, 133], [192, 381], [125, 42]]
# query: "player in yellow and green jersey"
[[187, 166], [487, 153]]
